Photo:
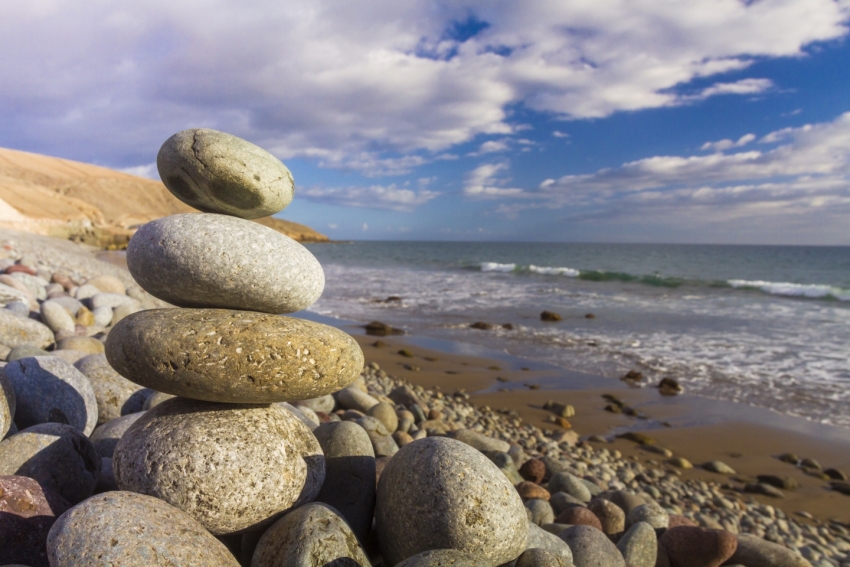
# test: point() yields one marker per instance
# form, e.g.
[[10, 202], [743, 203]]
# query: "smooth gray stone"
[[205, 260], [591, 486], [102, 316], [349, 485], [7, 404], [58, 456], [155, 399], [313, 535], [35, 284], [19, 331], [539, 538], [444, 558], [116, 396], [384, 445], [651, 513], [49, 390], [221, 355], [86, 291], [506, 465], [132, 530], [611, 516], [480, 441], [537, 557], [560, 501], [56, 317], [591, 547], [754, 551], [624, 499], [541, 511], [106, 479], [20, 352], [220, 173], [571, 484], [639, 545], [324, 404], [19, 308], [105, 437], [302, 416], [461, 501], [112, 300], [71, 305], [372, 425], [353, 398], [232, 467]]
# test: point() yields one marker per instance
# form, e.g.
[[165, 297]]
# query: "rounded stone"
[[324, 404], [27, 511], [591, 547], [108, 284], [444, 558], [560, 501], [349, 473], [194, 260], [536, 557], [754, 551], [352, 398], [132, 530], [87, 345], [231, 467], [105, 437], [58, 456], [651, 513], [102, 316], [539, 538], [385, 413], [611, 516], [220, 173], [20, 352], [571, 484], [533, 470], [313, 535], [578, 515], [18, 331], [541, 511], [220, 355], [461, 501], [155, 399], [56, 317], [50, 390], [116, 396], [697, 547], [639, 545], [7, 405]]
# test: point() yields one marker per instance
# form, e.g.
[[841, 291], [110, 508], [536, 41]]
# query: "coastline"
[[698, 429]]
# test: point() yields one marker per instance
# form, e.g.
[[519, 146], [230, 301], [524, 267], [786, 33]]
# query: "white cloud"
[[492, 147], [486, 181], [722, 145], [390, 197], [376, 87], [148, 171], [559, 134]]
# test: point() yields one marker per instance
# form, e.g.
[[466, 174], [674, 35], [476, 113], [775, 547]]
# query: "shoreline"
[[747, 438]]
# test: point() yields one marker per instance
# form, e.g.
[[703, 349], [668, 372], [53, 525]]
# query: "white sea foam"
[[793, 289], [496, 267], [547, 271]]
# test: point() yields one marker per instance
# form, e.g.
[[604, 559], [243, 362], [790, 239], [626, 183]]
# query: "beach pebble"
[[310, 536], [480, 441], [108, 284], [754, 551], [106, 480], [639, 545], [697, 547], [461, 500], [507, 466], [50, 390], [533, 470], [718, 467], [354, 399], [132, 530], [7, 404], [86, 291], [651, 513], [384, 445], [19, 308], [401, 438], [58, 456], [87, 345], [349, 485], [541, 539], [324, 404], [116, 396], [102, 316], [405, 396], [111, 300], [155, 399], [27, 511], [307, 416], [444, 558], [20, 352], [85, 317], [193, 260], [17, 331], [122, 311], [541, 511], [216, 172], [105, 437], [591, 547], [386, 414], [372, 425], [537, 557], [560, 501], [233, 356], [56, 317], [571, 484], [530, 490], [624, 499], [231, 467], [579, 516], [611, 517]]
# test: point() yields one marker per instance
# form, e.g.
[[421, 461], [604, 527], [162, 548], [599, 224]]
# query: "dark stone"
[[697, 547], [549, 316], [27, 511]]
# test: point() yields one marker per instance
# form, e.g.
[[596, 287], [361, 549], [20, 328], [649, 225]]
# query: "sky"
[[699, 121]]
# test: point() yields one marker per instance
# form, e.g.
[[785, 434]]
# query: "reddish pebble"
[[690, 546], [27, 513], [533, 470], [19, 268], [528, 490], [676, 520], [579, 516]]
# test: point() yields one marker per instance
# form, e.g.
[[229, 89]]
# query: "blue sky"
[[653, 121]]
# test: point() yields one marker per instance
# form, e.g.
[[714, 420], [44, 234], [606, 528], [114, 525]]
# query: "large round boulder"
[[193, 260], [220, 173], [231, 467], [221, 355], [132, 530], [438, 493]]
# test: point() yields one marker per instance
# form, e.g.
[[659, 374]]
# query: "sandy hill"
[[91, 204]]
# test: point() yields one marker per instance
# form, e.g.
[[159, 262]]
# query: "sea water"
[[763, 325]]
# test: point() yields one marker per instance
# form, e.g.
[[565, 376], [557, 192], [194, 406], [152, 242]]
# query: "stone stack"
[[224, 451]]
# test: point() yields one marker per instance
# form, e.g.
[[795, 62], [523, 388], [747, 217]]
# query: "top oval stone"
[[219, 173]]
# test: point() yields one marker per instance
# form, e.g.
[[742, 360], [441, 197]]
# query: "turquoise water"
[[764, 325]]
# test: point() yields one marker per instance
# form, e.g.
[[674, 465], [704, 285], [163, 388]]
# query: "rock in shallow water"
[[132, 530], [27, 511], [220, 173], [313, 535], [438, 493], [50, 390], [194, 260], [233, 356], [231, 467]]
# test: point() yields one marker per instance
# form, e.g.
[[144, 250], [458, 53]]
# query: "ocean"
[[767, 326]]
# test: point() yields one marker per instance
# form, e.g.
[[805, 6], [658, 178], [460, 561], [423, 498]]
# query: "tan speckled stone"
[[233, 356], [231, 467], [132, 530]]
